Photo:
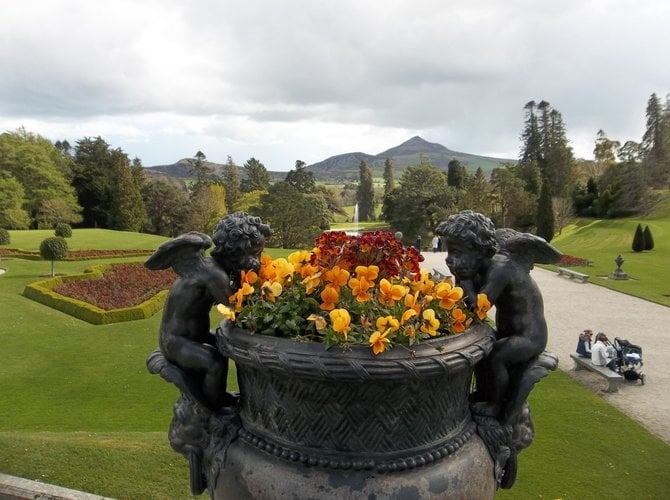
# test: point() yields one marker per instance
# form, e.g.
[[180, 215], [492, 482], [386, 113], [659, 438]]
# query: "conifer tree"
[[648, 239], [365, 195], [231, 182], [389, 183], [638, 239], [545, 214]]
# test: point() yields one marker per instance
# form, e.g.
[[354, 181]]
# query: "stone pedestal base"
[[249, 473]]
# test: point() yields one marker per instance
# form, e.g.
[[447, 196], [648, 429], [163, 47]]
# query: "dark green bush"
[[4, 237], [638, 239], [63, 230], [52, 249], [648, 239]]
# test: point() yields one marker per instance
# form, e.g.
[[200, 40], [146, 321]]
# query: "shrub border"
[[43, 292]]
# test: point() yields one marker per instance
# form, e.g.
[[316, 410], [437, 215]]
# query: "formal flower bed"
[[122, 285], [571, 261]]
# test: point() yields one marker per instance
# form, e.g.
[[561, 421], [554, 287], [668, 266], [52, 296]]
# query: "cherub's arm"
[[497, 279]]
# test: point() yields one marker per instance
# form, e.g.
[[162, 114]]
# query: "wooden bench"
[[612, 377], [562, 271]]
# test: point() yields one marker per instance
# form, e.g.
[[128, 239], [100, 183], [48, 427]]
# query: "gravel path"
[[571, 306]]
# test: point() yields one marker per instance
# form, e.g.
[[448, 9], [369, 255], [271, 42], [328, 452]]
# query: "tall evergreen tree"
[[93, 179], [545, 214], [477, 196], [300, 178], [655, 144], [389, 183], [365, 195], [200, 169], [231, 182], [126, 207], [257, 176], [456, 174]]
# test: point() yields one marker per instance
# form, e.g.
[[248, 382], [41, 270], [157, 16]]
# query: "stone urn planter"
[[317, 423]]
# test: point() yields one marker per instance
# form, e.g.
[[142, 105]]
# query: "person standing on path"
[[435, 243]]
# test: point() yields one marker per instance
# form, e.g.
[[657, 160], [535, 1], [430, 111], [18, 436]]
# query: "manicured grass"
[[79, 409], [601, 241]]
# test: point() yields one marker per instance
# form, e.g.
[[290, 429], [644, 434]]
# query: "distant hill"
[[344, 167], [412, 152]]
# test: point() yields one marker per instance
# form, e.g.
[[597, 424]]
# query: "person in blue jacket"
[[584, 344]]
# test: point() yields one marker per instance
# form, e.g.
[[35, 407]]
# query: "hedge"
[[42, 292]]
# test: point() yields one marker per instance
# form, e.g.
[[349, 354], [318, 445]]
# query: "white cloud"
[[308, 79]]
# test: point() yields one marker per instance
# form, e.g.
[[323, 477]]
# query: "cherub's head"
[[239, 239], [470, 241]]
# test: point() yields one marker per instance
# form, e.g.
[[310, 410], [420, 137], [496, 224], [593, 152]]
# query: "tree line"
[[92, 184]]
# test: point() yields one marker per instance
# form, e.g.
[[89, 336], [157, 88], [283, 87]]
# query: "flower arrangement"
[[351, 290]]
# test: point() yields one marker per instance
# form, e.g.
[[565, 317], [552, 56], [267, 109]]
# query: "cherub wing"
[[182, 249], [525, 248]]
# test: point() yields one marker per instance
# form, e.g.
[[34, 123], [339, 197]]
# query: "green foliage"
[[33, 162], [292, 215], [638, 239], [420, 202], [167, 208], [365, 195], [231, 182], [257, 177], [389, 182], [648, 239], [300, 178], [5, 238], [54, 248], [12, 215], [456, 174], [63, 230], [126, 208], [545, 214]]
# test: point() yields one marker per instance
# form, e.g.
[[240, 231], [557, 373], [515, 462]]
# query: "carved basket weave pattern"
[[301, 397]]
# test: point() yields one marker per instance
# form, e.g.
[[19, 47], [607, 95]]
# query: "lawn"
[[602, 240], [80, 410]]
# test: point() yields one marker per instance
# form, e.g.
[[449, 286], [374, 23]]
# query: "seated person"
[[602, 353], [584, 344]]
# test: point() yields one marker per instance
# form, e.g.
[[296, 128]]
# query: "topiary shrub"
[[4, 237], [63, 230], [638, 239], [53, 249], [648, 240]]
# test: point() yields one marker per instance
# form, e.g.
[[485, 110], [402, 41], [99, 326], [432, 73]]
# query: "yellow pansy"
[[459, 320], [319, 321], [430, 323], [226, 312], [407, 315], [387, 324], [329, 297], [389, 294], [483, 305], [448, 295], [378, 342], [337, 276], [341, 321], [271, 290]]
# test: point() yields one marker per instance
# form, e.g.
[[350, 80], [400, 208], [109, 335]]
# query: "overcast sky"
[[287, 80]]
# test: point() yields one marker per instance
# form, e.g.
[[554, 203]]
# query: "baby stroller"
[[629, 359]]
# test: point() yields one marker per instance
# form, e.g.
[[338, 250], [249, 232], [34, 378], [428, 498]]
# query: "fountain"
[[356, 219]]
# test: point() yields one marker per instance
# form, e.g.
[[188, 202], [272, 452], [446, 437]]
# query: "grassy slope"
[[601, 241], [79, 409]]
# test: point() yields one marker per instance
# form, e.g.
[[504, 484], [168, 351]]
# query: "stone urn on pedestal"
[[351, 385]]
